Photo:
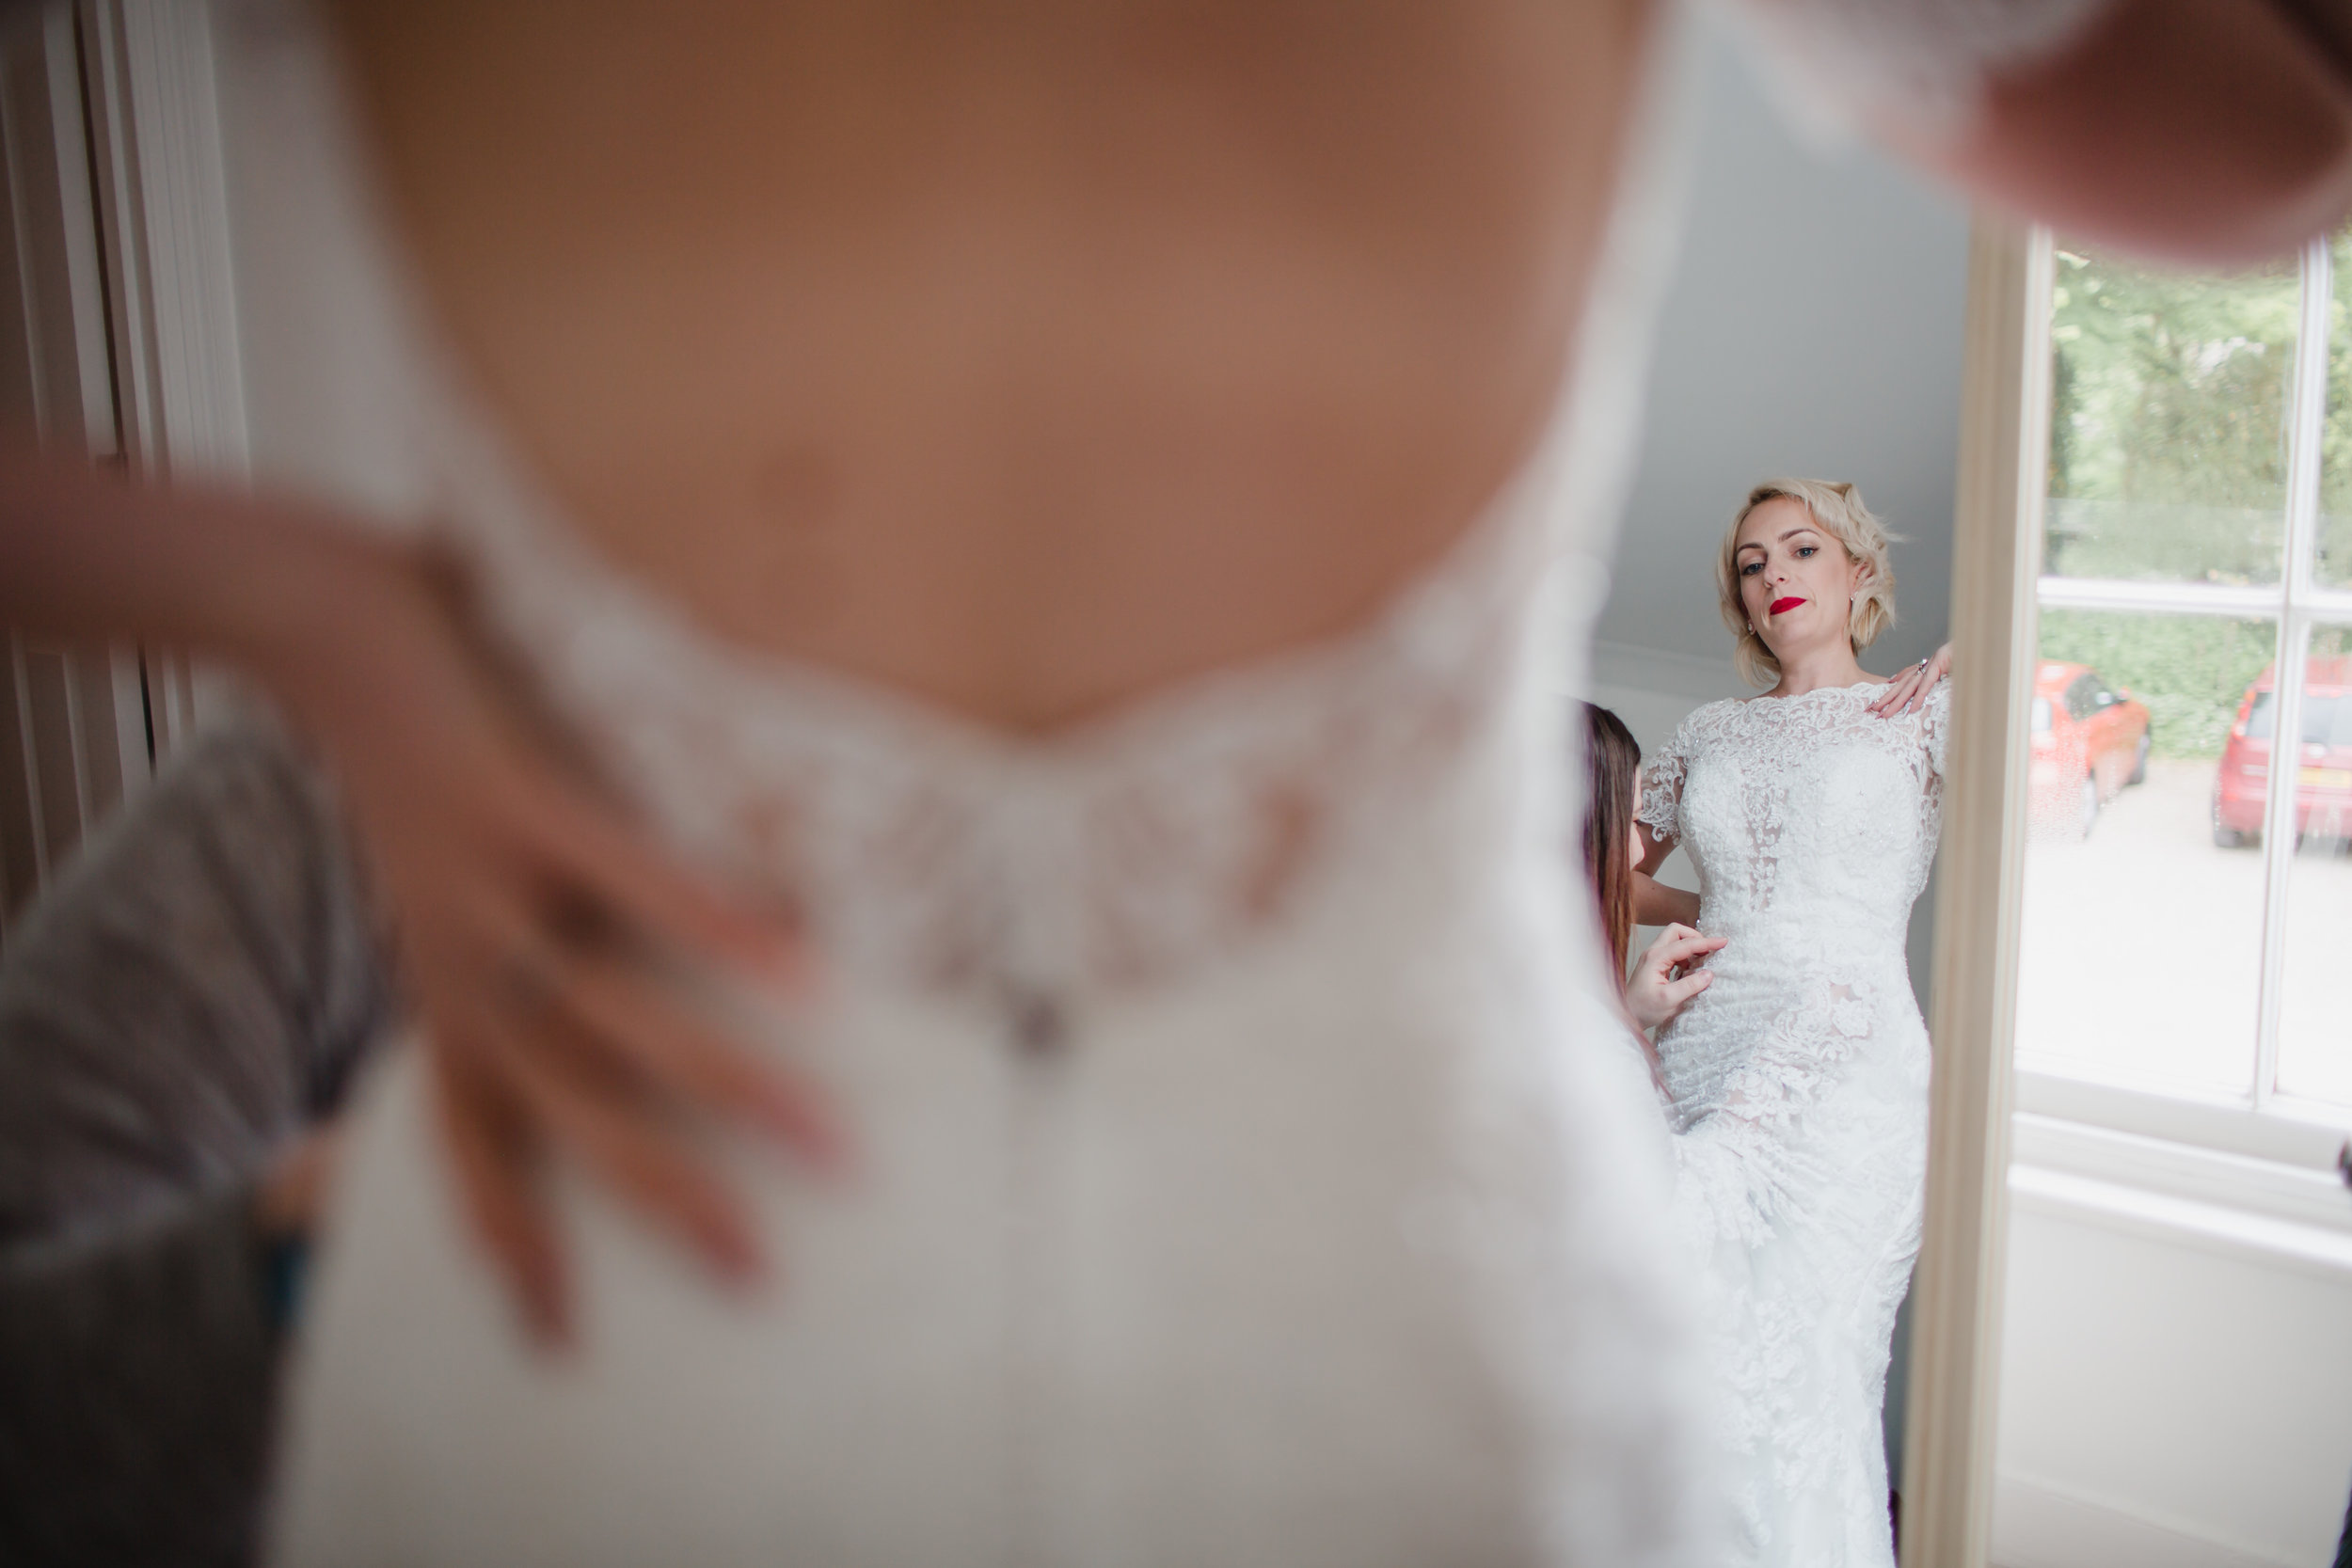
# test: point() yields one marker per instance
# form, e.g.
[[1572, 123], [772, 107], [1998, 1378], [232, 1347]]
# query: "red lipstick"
[[1782, 607]]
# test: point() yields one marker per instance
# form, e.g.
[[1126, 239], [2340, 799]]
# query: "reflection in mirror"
[[1813, 329]]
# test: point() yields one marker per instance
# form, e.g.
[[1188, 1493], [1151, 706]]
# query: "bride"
[[1798, 1076], [1028, 516]]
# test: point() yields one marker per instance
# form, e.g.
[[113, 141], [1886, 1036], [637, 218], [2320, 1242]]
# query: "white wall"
[[2176, 1382]]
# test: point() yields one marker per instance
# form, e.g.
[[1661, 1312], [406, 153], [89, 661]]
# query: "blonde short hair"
[[1836, 507]]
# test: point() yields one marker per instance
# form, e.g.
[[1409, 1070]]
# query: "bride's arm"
[[1654, 902], [537, 929], [2215, 132]]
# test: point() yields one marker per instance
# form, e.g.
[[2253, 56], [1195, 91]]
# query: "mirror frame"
[[2003, 470]]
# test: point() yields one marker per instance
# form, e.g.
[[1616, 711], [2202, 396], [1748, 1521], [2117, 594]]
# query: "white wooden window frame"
[[2249, 1172], [2262, 1123]]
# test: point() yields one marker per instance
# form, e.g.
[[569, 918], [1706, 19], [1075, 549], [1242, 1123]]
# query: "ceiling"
[[1813, 328]]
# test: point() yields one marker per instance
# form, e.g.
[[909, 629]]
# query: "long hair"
[[1612, 758]]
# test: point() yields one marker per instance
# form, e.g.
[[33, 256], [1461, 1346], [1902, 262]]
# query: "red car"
[[2089, 739], [2323, 791]]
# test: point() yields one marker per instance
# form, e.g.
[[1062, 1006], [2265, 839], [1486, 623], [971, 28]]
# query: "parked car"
[[2090, 740], [2323, 785]]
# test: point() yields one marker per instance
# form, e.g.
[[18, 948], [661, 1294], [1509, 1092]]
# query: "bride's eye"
[[1805, 550], [1751, 569]]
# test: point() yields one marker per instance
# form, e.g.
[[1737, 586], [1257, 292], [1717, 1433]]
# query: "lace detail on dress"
[[1662, 789], [1922, 64], [1799, 1088], [1779, 741], [1749, 1187], [1757, 1110], [938, 854], [1935, 722]]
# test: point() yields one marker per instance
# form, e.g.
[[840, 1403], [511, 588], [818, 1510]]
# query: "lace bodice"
[[1803, 810], [1798, 1087]]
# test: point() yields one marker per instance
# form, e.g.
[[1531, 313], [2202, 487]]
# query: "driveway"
[[2142, 950]]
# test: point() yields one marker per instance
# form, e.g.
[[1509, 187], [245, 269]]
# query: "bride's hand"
[[548, 948], [544, 943], [1668, 975], [1908, 691]]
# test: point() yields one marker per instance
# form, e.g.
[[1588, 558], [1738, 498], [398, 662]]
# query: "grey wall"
[[1813, 328]]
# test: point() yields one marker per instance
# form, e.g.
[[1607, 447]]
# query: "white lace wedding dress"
[[1253, 1173], [1799, 1082]]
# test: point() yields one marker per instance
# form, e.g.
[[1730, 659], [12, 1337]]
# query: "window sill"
[[2236, 1204], [2301, 1135]]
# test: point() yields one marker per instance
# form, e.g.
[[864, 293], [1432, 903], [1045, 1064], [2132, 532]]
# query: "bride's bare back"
[[1023, 356]]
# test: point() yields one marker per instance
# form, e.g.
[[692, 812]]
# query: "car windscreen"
[[2327, 721]]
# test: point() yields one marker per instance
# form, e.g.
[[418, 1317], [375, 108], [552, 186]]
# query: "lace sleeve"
[[1661, 786], [1936, 724], [1919, 63]]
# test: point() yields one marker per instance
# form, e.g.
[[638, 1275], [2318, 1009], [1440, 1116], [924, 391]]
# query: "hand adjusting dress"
[[1799, 1082]]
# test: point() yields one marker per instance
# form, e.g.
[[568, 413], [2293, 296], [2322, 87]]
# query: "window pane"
[[2141, 960], [2315, 1005], [2168, 432]]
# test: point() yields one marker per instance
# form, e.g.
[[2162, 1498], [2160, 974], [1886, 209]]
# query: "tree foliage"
[[2168, 455], [2172, 390]]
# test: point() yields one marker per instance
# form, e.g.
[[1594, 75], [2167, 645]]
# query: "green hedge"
[[2189, 669]]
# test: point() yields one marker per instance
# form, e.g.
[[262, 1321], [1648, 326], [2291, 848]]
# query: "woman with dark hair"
[[1612, 759], [1669, 975]]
